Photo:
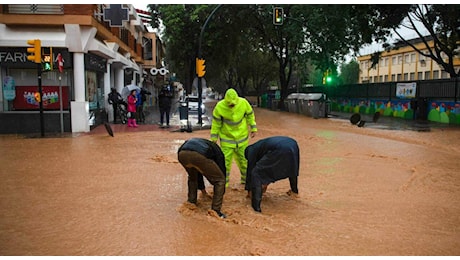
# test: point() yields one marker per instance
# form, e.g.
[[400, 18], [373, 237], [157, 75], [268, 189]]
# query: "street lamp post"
[[200, 90]]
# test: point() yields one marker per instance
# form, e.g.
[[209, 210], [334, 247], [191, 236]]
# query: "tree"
[[443, 25], [349, 72], [182, 28], [323, 33], [320, 35]]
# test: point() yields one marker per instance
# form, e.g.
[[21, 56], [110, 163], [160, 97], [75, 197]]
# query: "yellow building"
[[402, 64]]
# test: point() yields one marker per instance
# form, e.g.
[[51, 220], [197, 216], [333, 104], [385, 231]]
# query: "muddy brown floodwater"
[[363, 191]]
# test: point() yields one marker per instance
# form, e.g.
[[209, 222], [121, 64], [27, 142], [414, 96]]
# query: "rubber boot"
[[256, 198], [134, 123], [130, 122]]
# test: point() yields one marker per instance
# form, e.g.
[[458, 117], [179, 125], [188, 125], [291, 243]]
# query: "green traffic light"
[[278, 15], [47, 66], [329, 79]]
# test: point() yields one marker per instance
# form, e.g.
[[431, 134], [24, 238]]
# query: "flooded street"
[[362, 191]]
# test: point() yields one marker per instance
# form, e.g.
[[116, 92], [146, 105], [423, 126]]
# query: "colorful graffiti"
[[438, 111], [444, 112]]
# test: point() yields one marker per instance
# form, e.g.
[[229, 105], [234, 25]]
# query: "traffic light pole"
[[200, 88], [40, 92]]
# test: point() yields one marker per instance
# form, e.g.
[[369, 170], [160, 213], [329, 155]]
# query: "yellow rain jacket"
[[230, 124]]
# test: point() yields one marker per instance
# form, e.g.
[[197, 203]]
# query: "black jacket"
[[207, 148], [114, 98], [165, 96], [272, 159]]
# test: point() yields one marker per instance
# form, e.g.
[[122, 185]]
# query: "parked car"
[[193, 104]]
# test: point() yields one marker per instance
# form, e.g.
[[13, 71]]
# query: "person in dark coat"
[[114, 99], [269, 160], [200, 156], [165, 101]]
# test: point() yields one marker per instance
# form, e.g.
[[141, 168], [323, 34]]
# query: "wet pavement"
[[392, 123], [178, 124], [152, 121]]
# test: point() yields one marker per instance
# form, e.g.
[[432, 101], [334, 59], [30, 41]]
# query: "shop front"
[[95, 68], [19, 95]]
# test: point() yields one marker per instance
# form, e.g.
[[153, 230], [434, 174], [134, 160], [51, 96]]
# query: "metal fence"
[[444, 89]]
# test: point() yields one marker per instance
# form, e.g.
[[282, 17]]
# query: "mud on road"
[[363, 191]]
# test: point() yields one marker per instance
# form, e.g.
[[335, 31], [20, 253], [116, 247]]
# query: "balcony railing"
[[36, 9]]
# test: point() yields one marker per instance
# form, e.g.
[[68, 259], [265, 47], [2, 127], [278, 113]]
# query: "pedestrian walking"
[[132, 99], [113, 99], [141, 98], [165, 100], [233, 120], [269, 160], [201, 157]]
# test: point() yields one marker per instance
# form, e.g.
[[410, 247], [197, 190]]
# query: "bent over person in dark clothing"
[[199, 157], [269, 160]]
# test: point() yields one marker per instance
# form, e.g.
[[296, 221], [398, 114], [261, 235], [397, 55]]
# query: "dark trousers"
[[140, 113], [195, 163], [164, 112], [115, 112]]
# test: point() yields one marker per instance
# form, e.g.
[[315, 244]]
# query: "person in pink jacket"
[[132, 99]]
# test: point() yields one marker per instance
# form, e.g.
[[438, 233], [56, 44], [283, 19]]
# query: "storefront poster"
[[406, 90], [26, 98], [91, 89], [9, 87]]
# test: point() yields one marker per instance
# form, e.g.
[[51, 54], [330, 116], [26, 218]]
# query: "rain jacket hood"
[[231, 97]]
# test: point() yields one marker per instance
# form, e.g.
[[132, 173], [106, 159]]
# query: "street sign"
[[115, 14]]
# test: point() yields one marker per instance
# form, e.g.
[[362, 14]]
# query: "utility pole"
[[35, 55], [200, 89]]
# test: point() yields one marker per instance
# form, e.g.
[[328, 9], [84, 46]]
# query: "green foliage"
[[239, 39], [442, 23], [349, 72]]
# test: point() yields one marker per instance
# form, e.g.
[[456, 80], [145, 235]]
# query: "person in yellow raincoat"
[[233, 120]]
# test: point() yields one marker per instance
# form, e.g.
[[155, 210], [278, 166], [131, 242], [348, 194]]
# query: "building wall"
[[402, 64], [97, 54]]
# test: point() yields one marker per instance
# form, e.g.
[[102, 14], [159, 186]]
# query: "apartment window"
[[400, 59], [444, 75], [399, 77], [406, 76], [412, 58], [393, 77], [420, 75], [436, 74], [386, 78], [376, 79], [427, 75], [147, 44], [428, 58], [412, 76], [393, 61], [407, 58], [386, 62]]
